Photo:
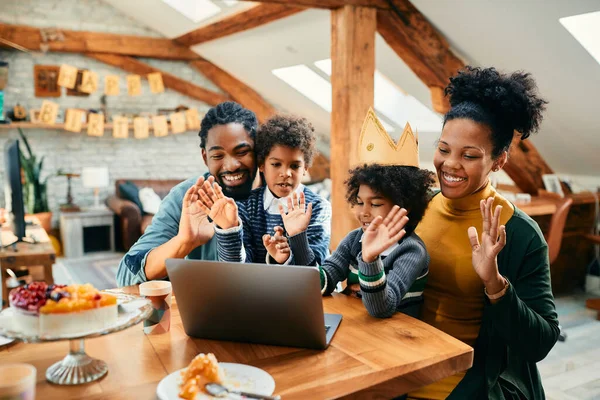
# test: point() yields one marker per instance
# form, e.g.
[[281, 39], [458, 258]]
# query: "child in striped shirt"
[[384, 256], [257, 229]]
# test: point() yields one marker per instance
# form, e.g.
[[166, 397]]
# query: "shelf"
[[30, 125]]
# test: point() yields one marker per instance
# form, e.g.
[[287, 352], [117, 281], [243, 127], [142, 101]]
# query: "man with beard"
[[180, 229]]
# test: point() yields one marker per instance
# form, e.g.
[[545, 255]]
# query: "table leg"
[[48, 274], [4, 288], [594, 304]]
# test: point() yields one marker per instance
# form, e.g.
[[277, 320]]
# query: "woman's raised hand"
[[493, 240]]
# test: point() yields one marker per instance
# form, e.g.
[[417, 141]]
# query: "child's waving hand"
[[222, 210]]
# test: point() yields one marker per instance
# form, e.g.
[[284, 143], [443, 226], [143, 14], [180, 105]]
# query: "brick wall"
[[171, 157]]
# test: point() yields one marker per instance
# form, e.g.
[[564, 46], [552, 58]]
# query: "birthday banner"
[[83, 82], [75, 119], [88, 82]]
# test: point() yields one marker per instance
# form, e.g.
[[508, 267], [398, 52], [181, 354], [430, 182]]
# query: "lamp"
[[96, 178], [69, 206]]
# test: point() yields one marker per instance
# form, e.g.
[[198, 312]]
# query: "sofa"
[[130, 220]]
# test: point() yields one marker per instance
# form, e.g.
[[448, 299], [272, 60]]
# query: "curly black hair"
[[407, 187], [226, 113], [504, 102], [286, 130]]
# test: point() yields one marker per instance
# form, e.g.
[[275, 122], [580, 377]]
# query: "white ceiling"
[[509, 35]]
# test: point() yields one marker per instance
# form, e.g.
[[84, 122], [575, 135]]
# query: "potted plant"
[[35, 194]]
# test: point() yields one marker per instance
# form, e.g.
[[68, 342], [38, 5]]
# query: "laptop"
[[256, 303]]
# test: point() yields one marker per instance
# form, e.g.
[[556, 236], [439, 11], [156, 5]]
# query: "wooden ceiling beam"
[[236, 89], [525, 166], [330, 4], [258, 15], [172, 82], [320, 168], [418, 43], [63, 40], [439, 100]]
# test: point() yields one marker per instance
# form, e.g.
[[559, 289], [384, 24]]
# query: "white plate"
[[237, 376], [5, 340]]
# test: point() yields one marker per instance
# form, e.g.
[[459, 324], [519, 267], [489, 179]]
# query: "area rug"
[[98, 269]]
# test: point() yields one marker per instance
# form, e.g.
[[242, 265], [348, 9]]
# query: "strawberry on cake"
[[61, 310]]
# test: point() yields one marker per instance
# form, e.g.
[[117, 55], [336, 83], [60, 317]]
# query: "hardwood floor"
[[572, 369], [99, 269]]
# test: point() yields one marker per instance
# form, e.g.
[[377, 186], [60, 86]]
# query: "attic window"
[[307, 82], [195, 10], [312, 85], [586, 29], [396, 105]]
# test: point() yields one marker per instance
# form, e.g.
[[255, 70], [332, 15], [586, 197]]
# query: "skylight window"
[[195, 10], [396, 105], [311, 85], [324, 65], [307, 82], [586, 29]]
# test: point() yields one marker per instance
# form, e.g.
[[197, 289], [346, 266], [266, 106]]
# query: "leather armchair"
[[130, 221]]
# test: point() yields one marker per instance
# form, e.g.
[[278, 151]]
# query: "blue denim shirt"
[[163, 228]]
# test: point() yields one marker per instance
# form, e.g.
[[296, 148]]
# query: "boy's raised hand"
[[222, 210], [382, 233], [297, 218], [277, 245]]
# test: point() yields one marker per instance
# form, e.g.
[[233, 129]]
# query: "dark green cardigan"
[[521, 328]]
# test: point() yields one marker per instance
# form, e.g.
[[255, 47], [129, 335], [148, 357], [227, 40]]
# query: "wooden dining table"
[[367, 358]]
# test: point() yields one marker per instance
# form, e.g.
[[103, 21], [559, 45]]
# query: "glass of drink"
[[159, 293], [17, 381]]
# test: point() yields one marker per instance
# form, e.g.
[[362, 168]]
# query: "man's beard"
[[239, 192]]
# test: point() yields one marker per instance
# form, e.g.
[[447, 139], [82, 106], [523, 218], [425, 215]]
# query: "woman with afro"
[[489, 276]]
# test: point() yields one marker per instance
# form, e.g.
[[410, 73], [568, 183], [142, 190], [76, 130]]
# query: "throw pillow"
[[150, 200], [129, 191]]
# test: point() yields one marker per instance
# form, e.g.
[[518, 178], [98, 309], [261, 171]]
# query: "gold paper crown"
[[376, 146]]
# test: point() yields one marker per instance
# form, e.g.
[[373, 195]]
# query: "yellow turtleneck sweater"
[[453, 296]]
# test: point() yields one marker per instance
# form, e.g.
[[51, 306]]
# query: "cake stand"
[[77, 367]]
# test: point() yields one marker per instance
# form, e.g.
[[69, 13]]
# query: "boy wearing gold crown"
[[384, 256], [284, 150]]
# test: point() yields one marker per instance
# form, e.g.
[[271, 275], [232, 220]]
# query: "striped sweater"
[[391, 283], [244, 242]]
